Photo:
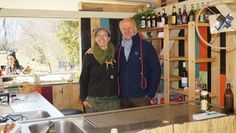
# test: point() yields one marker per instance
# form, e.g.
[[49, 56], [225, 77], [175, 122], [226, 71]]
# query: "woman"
[[98, 80], [13, 66]]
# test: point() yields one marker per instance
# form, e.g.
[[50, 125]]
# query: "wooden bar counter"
[[169, 118]]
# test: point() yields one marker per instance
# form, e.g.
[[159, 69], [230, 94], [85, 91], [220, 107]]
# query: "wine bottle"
[[143, 22], [204, 99], [197, 10], [228, 100], [202, 17], [191, 16], [179, 17], [158, 17], [154, 20], [184, 77], [184, 16], [148, 22], [174, 16], [164, 16]]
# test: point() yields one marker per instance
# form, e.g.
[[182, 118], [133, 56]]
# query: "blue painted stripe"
[[197, 55], [104, 22]]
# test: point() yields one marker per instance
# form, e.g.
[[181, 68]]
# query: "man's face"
[[127, 29]]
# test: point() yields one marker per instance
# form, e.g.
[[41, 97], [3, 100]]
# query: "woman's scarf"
[[103, 56]]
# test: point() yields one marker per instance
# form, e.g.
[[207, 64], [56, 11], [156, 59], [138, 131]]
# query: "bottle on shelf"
[[202, 17], [179, 17], [204, 99], [164, 16], [148, 22], [184, 77], [174, 16], [143, 22], [228, 100], [191, 16], [154, 20], [208, 13], [197, 10], [184, 15]]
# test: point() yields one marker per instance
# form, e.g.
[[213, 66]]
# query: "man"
[[139, 67]]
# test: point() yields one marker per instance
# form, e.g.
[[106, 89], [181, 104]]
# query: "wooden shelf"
[[151, 29], [183, 26], [203, 24], [178, 38], [176, 27], [199, 60], [172, 78], [178, 58], [153, 38], [186, 93]]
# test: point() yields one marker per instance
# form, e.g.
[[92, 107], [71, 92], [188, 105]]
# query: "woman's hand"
[[89, 51], [86, 104]]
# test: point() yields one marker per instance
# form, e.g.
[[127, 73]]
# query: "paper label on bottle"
[[149, 24], [184, 19], [143, 24], [204, 104], [184, 81], [173, 19], [153, 23]]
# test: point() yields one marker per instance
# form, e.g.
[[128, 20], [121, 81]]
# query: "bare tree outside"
[[36, 43]]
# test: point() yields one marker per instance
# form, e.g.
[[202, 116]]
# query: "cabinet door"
[[66, 96]]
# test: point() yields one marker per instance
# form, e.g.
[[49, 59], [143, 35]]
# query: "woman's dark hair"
[[13, 54], [104, 29]]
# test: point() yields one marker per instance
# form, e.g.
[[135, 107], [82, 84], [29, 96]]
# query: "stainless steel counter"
[[33, 101], [126, 120]]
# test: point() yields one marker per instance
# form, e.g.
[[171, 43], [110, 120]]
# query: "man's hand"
[[89, 51], [86, 104], [153, 101]]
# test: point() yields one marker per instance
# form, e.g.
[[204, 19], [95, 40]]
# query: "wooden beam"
[[62, 14], [112, 7]]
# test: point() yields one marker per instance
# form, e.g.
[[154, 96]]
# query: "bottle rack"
[[189, 58]]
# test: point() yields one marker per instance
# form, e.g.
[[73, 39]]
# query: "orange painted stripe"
[[203, 48], [222, 88]]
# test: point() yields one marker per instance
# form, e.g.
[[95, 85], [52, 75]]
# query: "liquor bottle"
[[179, 17], [197, 10], [154, 20], [184, 16], [158, 17], [191, 16], [174, 16], [228, 100], [143, 22], [208, 13], [148, 22], [204, 99], [202, 17], [164, 16], [184, 77]]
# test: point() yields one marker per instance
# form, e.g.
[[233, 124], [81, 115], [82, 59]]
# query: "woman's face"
[[102, 39], [11, 60]]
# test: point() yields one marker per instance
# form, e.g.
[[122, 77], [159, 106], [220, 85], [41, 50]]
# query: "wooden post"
[[191, 58], [231, 62], [166, 64], [215, 74]]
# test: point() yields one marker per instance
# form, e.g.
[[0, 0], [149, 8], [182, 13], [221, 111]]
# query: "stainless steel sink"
[[30, 115], [60, 126]]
